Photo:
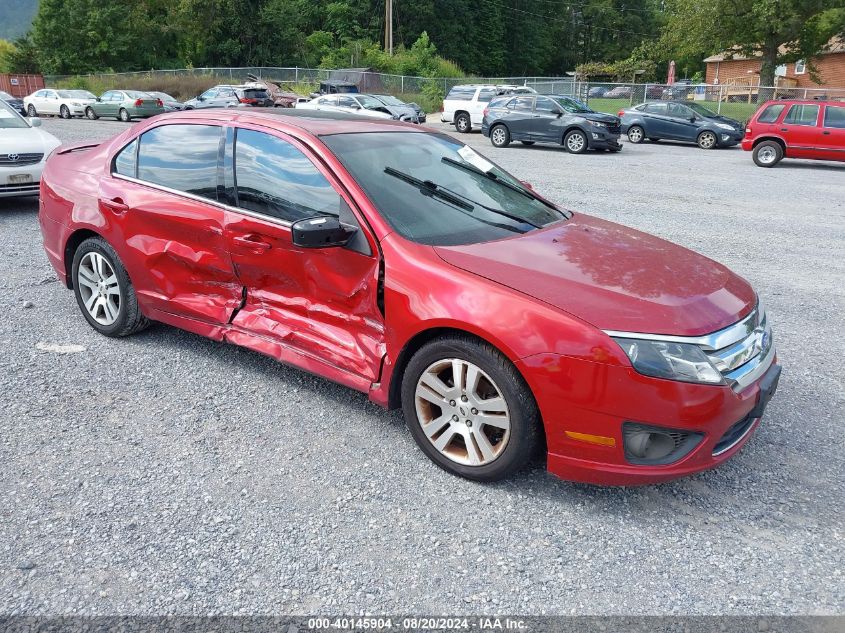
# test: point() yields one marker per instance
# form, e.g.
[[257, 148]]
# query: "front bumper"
[[729, 139], [9, 188], [604, 140], [580, 400]]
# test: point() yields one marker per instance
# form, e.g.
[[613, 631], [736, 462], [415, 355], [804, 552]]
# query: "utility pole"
[[388, 26]]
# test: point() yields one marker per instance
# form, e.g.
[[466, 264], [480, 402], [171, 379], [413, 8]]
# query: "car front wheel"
[[636, 134], [707, 140], [469, 409], [500, 136], [30, 111], [64, 112], [767, 154], [103, 290], [575, 142]]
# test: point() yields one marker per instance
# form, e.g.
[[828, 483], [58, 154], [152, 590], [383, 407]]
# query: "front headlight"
[[725, 126], [598, 123], [675, 361]]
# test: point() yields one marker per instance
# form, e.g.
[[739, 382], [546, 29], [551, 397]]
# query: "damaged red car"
[[401, 263]]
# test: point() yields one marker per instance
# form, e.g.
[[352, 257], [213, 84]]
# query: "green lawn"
[[738, 111]]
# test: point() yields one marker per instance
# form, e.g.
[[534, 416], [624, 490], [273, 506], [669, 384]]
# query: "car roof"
[[807, 101], [314, 122]]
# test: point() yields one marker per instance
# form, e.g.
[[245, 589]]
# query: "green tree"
[[7, 50], [780, 31]]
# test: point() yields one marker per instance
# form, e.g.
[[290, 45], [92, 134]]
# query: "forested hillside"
[[16, 17]]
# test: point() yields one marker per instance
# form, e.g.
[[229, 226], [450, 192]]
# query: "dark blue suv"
[[675, 121]]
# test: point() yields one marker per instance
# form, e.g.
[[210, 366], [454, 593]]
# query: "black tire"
[[123, 115], [529, 143], [525, 434], [64, 112], [767, 154], [30, 111], [89, 112], [463, 123], [576, 142], [500, 136], [129, 318], [707, 140], [636, 134]]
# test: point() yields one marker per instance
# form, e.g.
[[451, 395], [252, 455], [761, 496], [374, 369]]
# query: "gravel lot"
[[165, 473]]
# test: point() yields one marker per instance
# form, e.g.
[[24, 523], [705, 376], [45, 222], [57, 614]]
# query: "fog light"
[[725, 137], [595, 135], [654, 445]]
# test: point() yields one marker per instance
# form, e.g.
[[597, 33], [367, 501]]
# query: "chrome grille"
[[19, 160], [745, 348]]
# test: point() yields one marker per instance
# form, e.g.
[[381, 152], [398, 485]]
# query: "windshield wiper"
[[491, 176], [429, 188]]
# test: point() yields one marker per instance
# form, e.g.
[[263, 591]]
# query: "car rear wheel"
[[469, 409], [500, 136], [707, 140], [767, 154], [30, 110], [103, 290], [123, 115], [636, 134], [64, 112], [89, 112], [575, 142], [463, 123]]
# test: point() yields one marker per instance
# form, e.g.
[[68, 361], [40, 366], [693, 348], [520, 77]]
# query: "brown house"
[[722, 69]]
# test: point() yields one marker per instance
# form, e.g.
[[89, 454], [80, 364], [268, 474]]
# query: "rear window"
[[461, 93], [255, 93], [771, 113], [181, 157], [802, 115], [834, 116]]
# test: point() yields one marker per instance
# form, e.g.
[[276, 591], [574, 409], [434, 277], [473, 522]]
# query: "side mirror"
[[34, 121], [320, 232], [200, 98], [98, 99], [693, 119]]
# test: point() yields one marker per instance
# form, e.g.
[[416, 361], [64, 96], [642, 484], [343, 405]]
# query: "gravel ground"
[[165, 473]]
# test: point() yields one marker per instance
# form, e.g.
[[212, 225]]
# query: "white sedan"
[[363, 105], [63, 103], [24, 148]]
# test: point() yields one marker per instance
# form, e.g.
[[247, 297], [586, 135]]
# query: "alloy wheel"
[[706, 140], [462, 412], [575, 143], [635, 134], [499, 136], [99, 288]]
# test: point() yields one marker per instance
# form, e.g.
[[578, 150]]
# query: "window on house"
[[800, 67]]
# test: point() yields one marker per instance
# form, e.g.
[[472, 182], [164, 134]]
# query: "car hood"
[[728, 120], [29, 140], [600, 116], [613, 277]]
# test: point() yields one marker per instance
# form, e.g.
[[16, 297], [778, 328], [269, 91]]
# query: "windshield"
[[389, 100], [700, 109], [5, 96], [9, 118], [570, 105], [435, 190], [81, 94], [370, 103]]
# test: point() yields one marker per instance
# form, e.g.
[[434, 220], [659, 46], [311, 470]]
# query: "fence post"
[[719, 106], [403, 84], [296, 74]]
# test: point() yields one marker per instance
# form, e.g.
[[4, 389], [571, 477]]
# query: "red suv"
[[796, 129]]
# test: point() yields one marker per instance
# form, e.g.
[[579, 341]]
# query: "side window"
[[181, 157], [347, 102], [523, 104], [106, 96], [461, 93], [208, 94], [802, 115], [834, 116], [678, 111], [40, 94], [126, 161], [274, 178], [486, 94], [545, 104], [771, 113], [656, 108], [330, 101]]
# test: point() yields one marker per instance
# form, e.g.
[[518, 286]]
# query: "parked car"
[[675, 121], [678, 91], [124, 105], [464, 105], [597, 92], [508, 89], [399, 262], [619, 92], [334, 87], [653, 91], [229, 96], [361, 104], [170, 104], [412, 110], [281, 98], [796, 129], [63, 103], [14, 102], [549, 119], [24, 147]]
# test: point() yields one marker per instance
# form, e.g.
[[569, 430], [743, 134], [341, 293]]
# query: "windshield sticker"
[[474, 159]]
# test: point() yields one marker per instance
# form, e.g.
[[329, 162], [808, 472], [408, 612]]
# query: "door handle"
[[825, 133], [784, 129], [115, 205], [252, 243]]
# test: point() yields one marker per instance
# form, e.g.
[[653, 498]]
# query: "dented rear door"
[[314, 308], [162, 200]]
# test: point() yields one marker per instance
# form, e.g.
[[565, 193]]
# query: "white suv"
[[464, 105]]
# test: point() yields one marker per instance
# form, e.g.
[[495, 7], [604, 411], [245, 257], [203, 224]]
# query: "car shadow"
[[823, 165], [19, 206]]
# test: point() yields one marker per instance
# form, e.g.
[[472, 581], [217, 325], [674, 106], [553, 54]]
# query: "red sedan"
[[401, 263]]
